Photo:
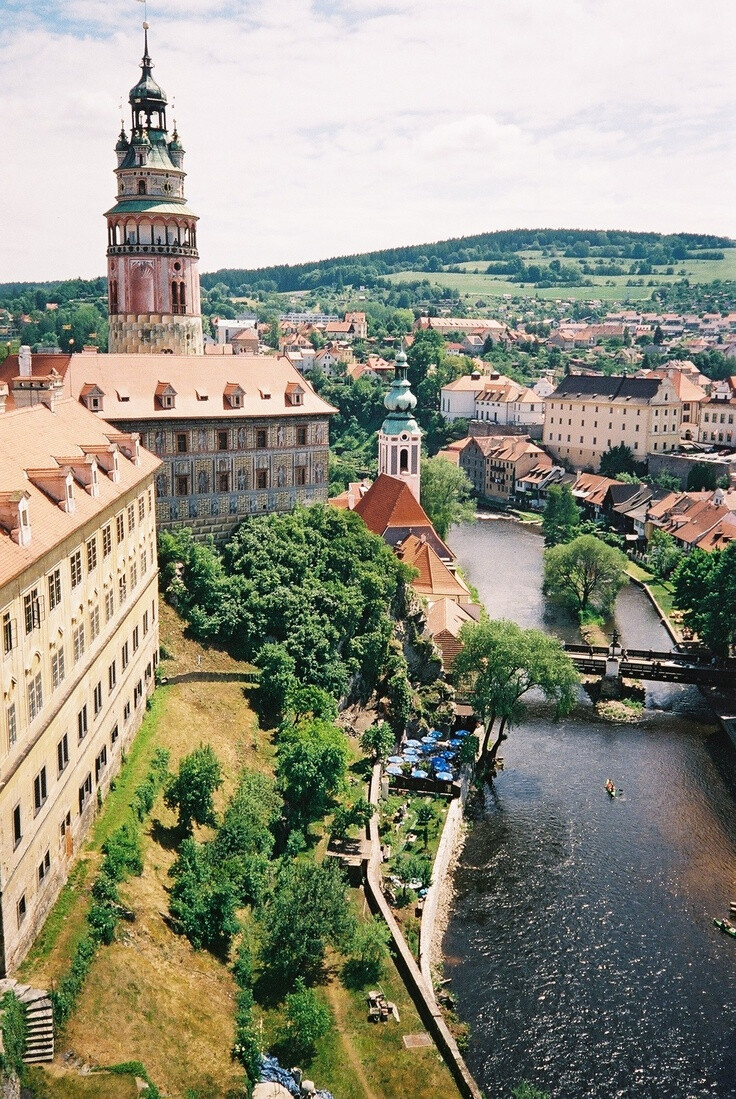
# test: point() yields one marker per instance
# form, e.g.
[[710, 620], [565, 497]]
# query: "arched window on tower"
[[403, 460], [113, 296], [182, 298], [141, 186], [175, 297]]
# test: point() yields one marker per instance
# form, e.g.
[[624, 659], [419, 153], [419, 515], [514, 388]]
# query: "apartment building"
[[588, 415], [78, 602]]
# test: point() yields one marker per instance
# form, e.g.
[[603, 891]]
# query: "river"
[[581, 949]]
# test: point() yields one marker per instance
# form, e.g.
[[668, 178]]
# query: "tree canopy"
[[446, 494], [584, 574], [705, 589], [498, 664], [561, 519]]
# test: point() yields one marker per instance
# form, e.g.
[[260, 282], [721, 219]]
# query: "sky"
[[316, 128]]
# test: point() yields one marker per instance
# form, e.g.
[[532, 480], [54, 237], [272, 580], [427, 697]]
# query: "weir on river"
[[581, 948]]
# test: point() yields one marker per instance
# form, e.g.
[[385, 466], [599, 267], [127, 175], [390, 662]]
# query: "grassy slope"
[[475, 284], [173, 1008]]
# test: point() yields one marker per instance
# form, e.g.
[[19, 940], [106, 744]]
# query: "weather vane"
[[145, 9]]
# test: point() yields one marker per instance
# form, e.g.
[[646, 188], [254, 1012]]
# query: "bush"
[[307, 1020], [191, 790], [123, 856], [14, 1028], [65, 996]]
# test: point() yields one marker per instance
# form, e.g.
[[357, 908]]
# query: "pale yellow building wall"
[[578, 431], [122, 704]]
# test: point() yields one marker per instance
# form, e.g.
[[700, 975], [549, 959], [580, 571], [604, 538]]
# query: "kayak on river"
[[726, 927], [610, 788]]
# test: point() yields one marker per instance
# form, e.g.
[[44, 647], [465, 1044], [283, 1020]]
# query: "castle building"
[[79, 641], [152, 276], [400, 437], [237, 435]]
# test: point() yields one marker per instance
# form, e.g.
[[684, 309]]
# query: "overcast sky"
[[323, 127]]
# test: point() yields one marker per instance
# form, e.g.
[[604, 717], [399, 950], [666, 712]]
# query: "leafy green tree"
[[496, 667], [702, 478], [202, 897], [668, 481], [584, 574], [277, 681], [663, 554], [561, 518], [307, 1020], [244, 844], [693, 581], [378, 740], [191, 790], [719, 618], [346, 817], [369, 952], [309, 701], [310, 767], [446, 494], [308, 911], [425, 816], [618, 459]]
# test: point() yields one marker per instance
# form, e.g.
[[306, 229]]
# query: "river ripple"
[[581, 948]]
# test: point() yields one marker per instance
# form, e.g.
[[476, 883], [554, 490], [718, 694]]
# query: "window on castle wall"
[[141, 186]]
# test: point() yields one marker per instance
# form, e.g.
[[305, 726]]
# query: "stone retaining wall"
[[422, 994]]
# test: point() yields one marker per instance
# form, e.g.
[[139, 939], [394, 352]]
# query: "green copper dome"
[[147, 91], [400, 402]]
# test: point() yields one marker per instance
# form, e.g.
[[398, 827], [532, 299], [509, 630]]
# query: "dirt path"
[[340, 1019]]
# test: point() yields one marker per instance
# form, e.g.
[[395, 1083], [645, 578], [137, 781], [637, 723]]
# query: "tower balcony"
[[152, 249]]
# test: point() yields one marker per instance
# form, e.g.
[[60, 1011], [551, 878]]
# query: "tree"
[[307, 1020], [719, 627], [585, 574], [663, 554], [202, 898], [446, 494], [310, 767], [277, 681], [308, 910], [561, 518], [425, 816], [618, 459], [369, 951], [693, 581], [702, 478], [498, 664], [357, 815], [378, 740], [191, 790]]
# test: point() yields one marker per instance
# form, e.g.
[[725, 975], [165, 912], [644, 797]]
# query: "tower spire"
[[400, 437]]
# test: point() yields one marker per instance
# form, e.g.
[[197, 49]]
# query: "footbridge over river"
[[675, 666]]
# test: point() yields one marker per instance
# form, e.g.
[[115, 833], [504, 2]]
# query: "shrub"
[[122, 851], [14, 1028], [307, 1020]]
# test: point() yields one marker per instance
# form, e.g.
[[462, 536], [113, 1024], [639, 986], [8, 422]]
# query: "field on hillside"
[[472, 283]]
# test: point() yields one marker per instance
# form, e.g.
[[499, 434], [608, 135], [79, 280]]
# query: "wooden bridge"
[[676, 666]]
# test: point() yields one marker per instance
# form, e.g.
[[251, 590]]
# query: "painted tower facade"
[[400, 437], [152, 276]]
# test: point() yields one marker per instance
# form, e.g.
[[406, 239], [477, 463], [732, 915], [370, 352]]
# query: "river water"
[[581, 949]]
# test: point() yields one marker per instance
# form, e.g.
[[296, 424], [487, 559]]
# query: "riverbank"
[[569, 976]]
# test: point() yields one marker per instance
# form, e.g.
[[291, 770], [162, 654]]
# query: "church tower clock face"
[[153, 277]]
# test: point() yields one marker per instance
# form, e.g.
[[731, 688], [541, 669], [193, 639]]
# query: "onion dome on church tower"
[[400, 437], [153, 281]]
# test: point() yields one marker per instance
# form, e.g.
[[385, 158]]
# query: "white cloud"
[[320, 127]]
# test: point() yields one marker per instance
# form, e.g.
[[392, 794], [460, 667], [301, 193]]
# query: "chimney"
[[24, 362]]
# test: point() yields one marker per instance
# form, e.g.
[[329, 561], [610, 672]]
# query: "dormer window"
[[234, 395], [166, 395], [92, 396]]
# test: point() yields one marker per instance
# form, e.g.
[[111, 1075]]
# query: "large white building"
[[78, 602]]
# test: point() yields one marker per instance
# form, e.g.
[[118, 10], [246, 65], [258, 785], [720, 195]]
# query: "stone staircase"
[[40, 1019]]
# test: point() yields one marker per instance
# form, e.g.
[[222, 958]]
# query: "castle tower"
[[400, 437], [152, 277]]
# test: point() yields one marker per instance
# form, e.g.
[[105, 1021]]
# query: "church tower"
[[400, 438], [152, 276]]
